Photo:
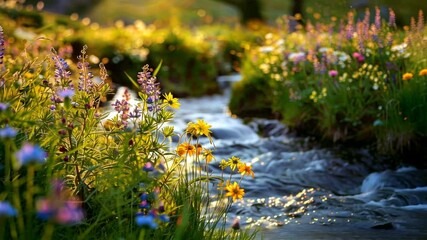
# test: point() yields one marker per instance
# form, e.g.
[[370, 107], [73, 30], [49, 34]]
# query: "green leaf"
[[132, 81], [158, 68]]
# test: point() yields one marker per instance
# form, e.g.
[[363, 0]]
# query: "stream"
[[302, 191]]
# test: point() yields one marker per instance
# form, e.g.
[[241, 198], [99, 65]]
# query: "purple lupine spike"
[[150, 87], [1, 45], [350, 26], [378, 18], [85, 75], [392, 18], [62, 74]]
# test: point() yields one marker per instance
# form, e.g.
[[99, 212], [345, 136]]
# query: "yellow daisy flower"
[[423, 72], [223, 164], [198, 129], [234, 191], [171, 101], [233, 162], [208, 155]]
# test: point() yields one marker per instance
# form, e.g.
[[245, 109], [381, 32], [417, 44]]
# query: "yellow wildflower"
[[233, 162], [208, 155], [234, 191], [423, 72], [223, 164], [198, 129], [171, 101]]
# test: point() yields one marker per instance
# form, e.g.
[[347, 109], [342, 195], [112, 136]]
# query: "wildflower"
[[148, 167], [245, 169], [149, 86], [30, 153], [70, 213], [146, 221], [407, 76], [236, 224], [223, 164], [144, 204], [1, 45], [208, 155], [186, 149], [7, 132], [423, 72], [164, 218], [60, 206], [61, 68], [66, 93], [333, 73], [4, 106], [6, 209], [171, 101], [85, 75], [233, 162], [234, 191], [198, 129], [359, 57]]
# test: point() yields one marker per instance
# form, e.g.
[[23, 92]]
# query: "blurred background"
[[208, 11]]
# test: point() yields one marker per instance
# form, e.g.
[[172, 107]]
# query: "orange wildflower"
[[423, 72], [407, 76], [186, 149], [245, 169]]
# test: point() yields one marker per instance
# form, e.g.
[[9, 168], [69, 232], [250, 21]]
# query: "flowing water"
[[302, 191]]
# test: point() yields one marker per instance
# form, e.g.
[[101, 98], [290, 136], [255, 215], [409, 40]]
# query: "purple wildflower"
[[144, 204], [333, 73], [4, 106], [30, 153], [70, 213], [66, 93], [59, 206], [1, 45], [150, 87], [7, 210], [392, 18], [148, 167], [85, 75], [7, 132], [61, 68], [377, 18]]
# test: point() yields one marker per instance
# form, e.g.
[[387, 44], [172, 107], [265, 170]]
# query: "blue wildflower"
[[30, 153], [6, 209], [164, 218], [146, 221], [7, 132], [144, 197]]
